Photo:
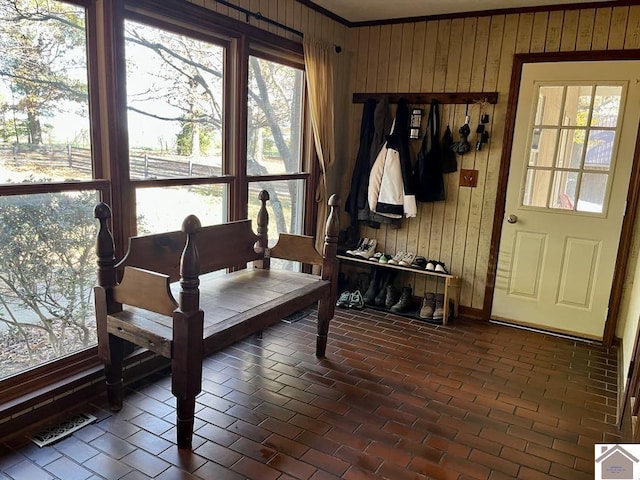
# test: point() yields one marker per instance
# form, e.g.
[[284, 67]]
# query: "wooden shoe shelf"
[[451, 284]]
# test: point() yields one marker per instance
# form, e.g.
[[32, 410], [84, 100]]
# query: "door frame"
[[633, 194]]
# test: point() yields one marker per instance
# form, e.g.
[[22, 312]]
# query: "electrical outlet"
[[468, 178]]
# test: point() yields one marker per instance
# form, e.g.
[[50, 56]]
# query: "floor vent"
[[57, 432]]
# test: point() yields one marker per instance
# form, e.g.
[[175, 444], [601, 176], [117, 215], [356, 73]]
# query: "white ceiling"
[[371, 10]]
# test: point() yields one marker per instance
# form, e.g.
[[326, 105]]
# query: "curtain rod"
[[259, 16]]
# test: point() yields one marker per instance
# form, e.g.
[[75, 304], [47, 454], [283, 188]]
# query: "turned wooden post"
[[110, 347], [188, 346], [326, 307], [262, 245]]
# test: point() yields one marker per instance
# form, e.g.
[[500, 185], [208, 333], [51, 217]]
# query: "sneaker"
[[438, 311], [431, 266], [383, 259], [356, 301], [367, 251], [395, 260], [362, 242], [419, 262], [407, 259], [441, 268], [428, 306], [343, 299], [376, 256]]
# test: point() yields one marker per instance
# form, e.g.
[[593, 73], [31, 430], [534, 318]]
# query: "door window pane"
[[47, 273], [174, 102], [606, 106], [274, 118], [564, 190], [570, 148], [549, 105], [593, 189], [44, 105], [599, 150], [163, 209], [543, 147], [537, 188], [577, 106]]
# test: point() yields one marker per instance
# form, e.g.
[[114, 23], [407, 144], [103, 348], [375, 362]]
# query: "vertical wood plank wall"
[[462, 54]]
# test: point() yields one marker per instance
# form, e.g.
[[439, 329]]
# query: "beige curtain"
[[319, 61]]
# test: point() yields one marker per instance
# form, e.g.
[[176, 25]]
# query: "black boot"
[[392, 296], [405, 301], [386, 280], [370, 294]]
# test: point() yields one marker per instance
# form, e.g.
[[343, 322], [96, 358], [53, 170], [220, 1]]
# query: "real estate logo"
[[617, 461]]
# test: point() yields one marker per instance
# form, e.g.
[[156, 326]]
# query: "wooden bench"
[[211, 312]]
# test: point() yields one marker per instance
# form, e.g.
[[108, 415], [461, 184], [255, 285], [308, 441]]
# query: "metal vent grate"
[[57, 432]]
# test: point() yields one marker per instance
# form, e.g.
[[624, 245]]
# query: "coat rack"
[[457, 98]]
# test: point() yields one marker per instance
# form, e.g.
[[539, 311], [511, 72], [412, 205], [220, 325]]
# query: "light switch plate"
[[468, 178]]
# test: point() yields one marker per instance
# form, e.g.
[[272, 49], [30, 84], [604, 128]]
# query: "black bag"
[[427, 169], [448, 161]]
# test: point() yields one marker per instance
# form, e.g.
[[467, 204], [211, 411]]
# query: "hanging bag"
[[428, 170]]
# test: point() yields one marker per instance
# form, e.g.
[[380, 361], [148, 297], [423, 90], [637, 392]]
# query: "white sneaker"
[[368, 250], [395, 260], [441, 268], [431, 266], [363, 242], [407, 259]]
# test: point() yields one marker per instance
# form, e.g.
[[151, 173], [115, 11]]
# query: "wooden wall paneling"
[[632, 39], [429, 57], [439, 85], [618, 29], [465, 235], [525, 26], [585, 29], [554, 31], [601, 26], [539, 31], [569, 31], [380, 67], [271, 11], [461, 48], [493, 164], [296, 15], [417, 56]]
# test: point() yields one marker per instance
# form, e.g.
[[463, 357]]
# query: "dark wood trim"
[[275, 178], [236, 156], [469, 312], [182, 181], [327, 13], [53, 187], [487, 13], [448, 98], [633, 194]]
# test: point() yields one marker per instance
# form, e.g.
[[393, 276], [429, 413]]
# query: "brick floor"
[[395, 398]]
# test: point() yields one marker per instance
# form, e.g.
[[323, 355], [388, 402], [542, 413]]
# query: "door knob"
[[512, 218]]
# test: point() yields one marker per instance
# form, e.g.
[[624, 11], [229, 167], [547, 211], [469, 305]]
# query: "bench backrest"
[[219, 246]]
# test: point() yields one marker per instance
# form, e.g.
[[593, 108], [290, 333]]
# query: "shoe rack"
[[451, 283]]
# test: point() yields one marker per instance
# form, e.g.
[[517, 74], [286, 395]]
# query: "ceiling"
[[354, 11]]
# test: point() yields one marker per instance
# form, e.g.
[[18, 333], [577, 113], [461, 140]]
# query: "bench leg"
[[186, 408], [113, 373], [325, 314]]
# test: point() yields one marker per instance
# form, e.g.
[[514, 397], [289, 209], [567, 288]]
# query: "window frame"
[[109, 139]]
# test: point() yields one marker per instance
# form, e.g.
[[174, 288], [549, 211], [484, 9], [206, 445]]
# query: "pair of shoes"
[[395, 260], [428, 306], [419, 263], [407, 259], [379, 257], [366, 249], [404, 303], [350, 300], [387, 294], [436, 266]]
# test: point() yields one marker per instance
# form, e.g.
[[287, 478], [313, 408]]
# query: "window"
[[47, 233], [274, 144], [175, 110], [572, 144]]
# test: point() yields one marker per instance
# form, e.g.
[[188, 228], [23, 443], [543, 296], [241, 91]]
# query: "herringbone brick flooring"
[[395, 398]]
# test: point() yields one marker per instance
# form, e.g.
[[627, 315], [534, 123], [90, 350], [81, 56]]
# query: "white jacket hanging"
[[386, 192]]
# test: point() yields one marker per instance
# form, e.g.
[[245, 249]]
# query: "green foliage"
[[47, 266]]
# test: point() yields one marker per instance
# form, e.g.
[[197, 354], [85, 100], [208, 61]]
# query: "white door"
[[573, 146]]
